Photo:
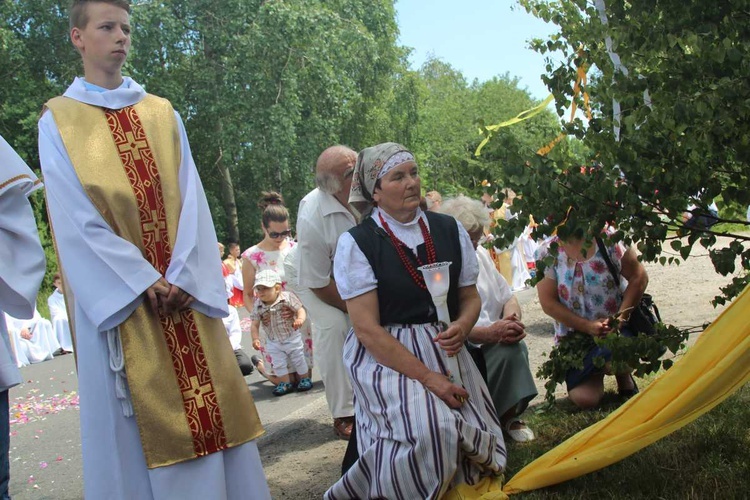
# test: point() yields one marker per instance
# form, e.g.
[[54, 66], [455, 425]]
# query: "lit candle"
[[437, 279]]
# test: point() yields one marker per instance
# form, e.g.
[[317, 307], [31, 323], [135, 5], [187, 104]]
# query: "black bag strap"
[[608, 261], [616, 276]]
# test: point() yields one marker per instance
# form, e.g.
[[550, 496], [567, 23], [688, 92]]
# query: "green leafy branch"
[[641, 354]]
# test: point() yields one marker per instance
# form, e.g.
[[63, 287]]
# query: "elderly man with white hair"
[[324, 214], [499, 330]]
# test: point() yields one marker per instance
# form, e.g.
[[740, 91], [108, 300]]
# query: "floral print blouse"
[[586, 287], [274, 260]]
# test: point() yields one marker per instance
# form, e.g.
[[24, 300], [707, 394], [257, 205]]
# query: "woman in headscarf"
[[419, 434]]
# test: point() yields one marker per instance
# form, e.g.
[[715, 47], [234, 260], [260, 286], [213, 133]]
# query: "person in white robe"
[[59, 316], [530, 245], [233, 327], [96, 259], [34, 339], [19, 283], [163, 413], [234, 331], [520, 269]]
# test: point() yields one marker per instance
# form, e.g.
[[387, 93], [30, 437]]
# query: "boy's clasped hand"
[[167, 298]]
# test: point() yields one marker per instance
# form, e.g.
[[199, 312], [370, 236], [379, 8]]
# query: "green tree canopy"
[[683, 129], [265, 87], [447, 130]]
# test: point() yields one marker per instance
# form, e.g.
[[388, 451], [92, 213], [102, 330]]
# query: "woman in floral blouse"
[[580, 294], [269, 253]]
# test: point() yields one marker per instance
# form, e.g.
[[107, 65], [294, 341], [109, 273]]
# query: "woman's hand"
[[440, 386], [256, 344], [452, 339], [598, 328], [287, 313], [509, 330]]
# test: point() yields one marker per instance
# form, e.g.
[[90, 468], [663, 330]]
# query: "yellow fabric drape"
[[716, 366], [489, 488]]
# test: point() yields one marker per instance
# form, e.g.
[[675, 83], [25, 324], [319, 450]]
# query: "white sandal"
[[519, 435]]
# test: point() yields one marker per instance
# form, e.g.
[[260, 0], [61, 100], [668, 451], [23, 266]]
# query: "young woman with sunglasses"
[[269, 253]]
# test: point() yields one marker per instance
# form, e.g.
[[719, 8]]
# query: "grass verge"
[[709, 458]]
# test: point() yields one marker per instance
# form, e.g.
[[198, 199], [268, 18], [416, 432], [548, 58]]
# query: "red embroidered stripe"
[[180, 330]]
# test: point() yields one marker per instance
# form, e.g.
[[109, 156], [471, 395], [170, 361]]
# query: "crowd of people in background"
[[313, 295], [343, 291]]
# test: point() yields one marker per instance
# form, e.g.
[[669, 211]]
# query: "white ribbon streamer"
[[601, 8]]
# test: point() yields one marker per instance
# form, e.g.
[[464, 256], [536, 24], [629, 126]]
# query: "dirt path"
[[306, 460]]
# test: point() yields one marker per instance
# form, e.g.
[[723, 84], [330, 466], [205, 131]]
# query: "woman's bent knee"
[[585, 398]]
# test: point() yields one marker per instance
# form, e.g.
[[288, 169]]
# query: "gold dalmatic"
[[189, 397]]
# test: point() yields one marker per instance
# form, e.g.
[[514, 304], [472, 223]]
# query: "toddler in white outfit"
[[284, 340]]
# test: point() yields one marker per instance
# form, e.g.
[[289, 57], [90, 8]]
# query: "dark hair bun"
[[268, 198]]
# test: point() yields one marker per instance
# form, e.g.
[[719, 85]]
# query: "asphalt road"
[[45, 443]]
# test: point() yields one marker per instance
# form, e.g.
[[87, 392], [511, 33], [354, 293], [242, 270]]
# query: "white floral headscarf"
[[372, 164]]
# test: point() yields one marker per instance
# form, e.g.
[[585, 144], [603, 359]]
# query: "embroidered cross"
[[197, 392], [132, 145], [155, 225]]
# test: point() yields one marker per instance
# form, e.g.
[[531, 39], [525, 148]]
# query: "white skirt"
[[412, 445]]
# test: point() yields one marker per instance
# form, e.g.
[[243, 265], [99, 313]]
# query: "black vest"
[[400, 299]]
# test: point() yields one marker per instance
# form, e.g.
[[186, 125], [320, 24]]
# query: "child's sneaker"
[[282, 388], [304, 385]]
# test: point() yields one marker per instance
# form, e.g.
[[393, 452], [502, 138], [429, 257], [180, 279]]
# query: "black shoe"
[[626, 394], [255, 359]]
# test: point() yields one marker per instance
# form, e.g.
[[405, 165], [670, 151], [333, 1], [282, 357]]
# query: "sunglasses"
[[274, 234]]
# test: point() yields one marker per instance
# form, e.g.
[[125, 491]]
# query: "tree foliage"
[[264, 86], [683, 130], [668, 129], [447, 130]]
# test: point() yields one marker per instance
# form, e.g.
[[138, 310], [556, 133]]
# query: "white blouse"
[[354, 275], [493, 289]]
